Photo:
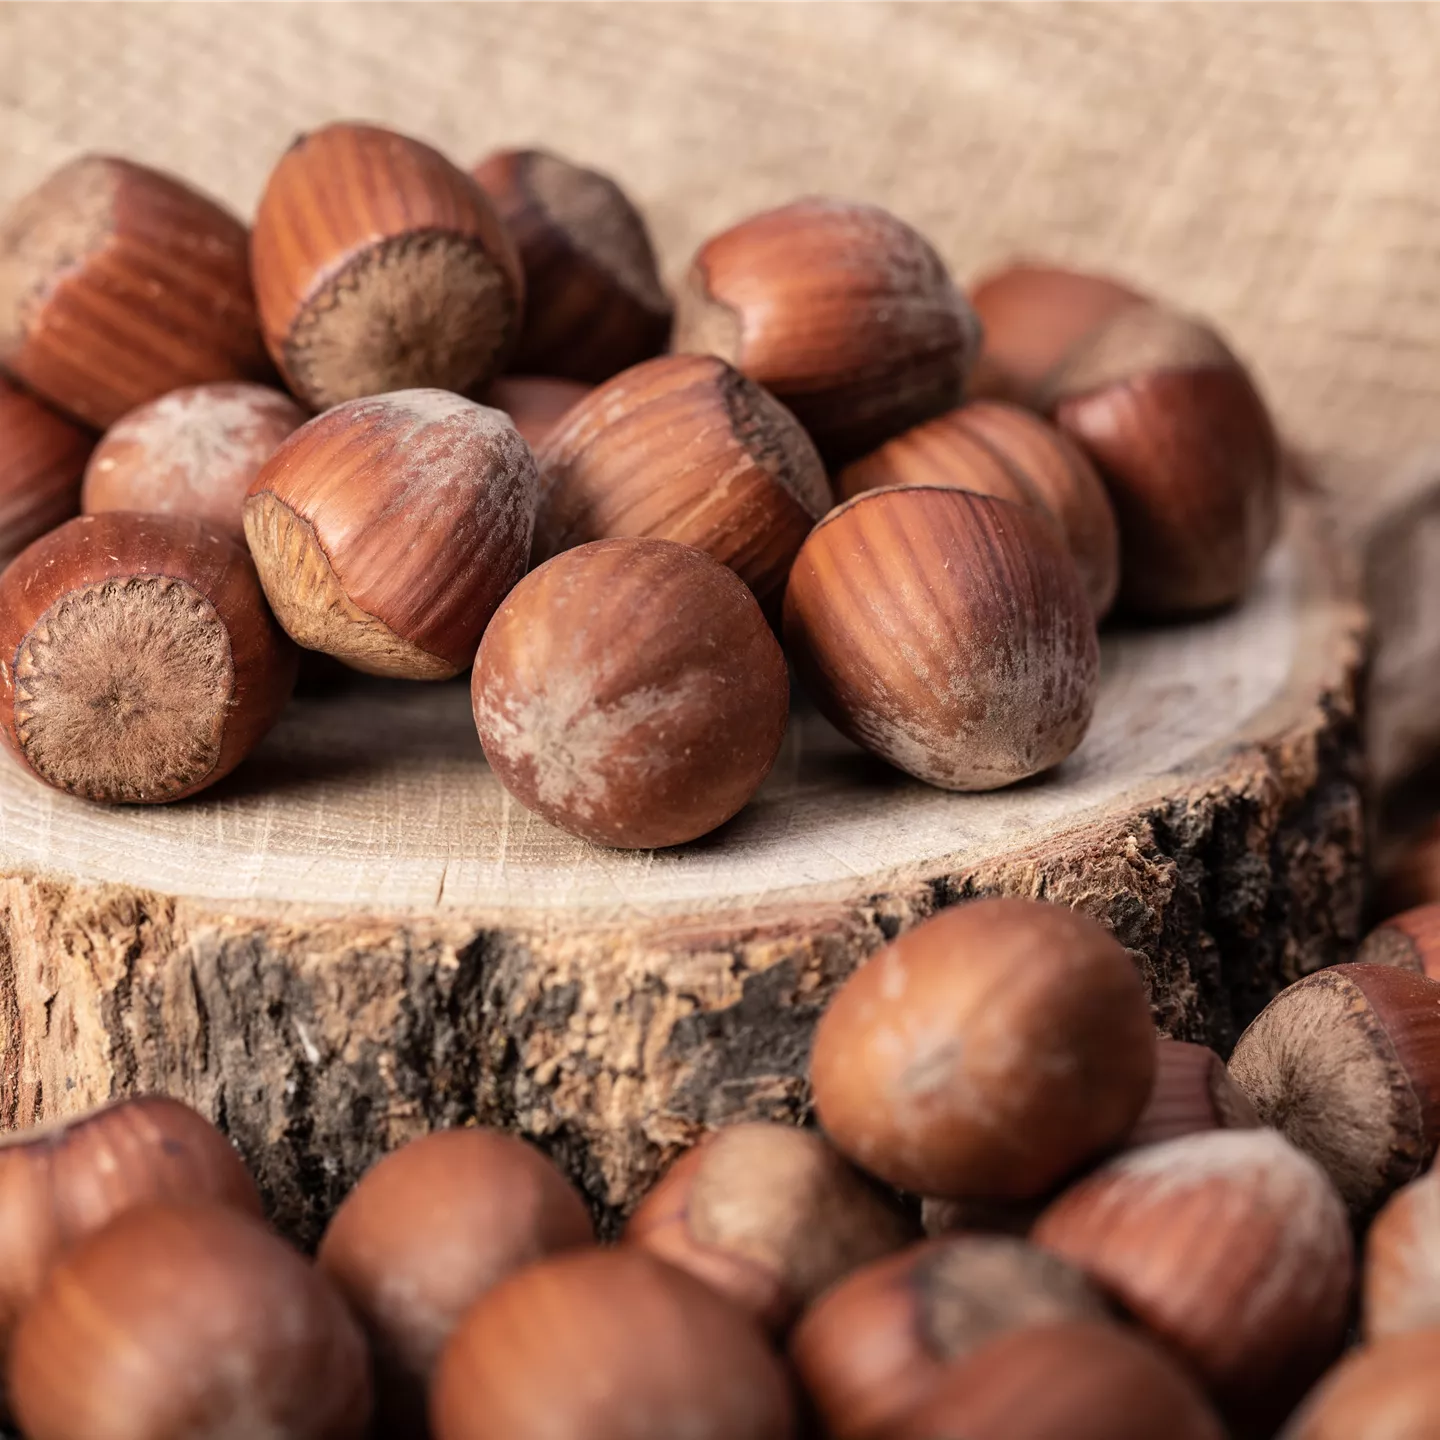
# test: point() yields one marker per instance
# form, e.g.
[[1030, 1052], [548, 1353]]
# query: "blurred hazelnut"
[[630, 692], [841, 310], [191, 452], [769, 1216], [1412, 877], [534, 403], [608, 1345], [1386, 1391], [949, 633], [1033, 315], [188, 1322], [1232, 1248], [1193, 1091], [994, 449], [1187, 449], [387, 530], [684, 448], [425, 1233], [42, 457], [1081, 1381], [381, 266], [988, 1052], [1402, 1261], [145, 666], [1409, 940], [594, 303], [1346, 1064], [118, 284], [976, 1215], [873, 1347]]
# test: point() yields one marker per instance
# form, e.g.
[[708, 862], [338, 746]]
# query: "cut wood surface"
[[358, 936]]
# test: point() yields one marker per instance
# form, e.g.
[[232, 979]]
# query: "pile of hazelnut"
[[1024, 1217], [506, 472]]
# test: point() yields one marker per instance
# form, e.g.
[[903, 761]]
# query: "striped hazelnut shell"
[[381, 266], [42, 460], [1193, 1091], [594, 303], [992, 448], [388, 529], [684, 448], [119, 283], [841, 310], [1401, 1290], [947, 632]]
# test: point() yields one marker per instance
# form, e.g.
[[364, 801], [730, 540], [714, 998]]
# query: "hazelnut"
[[769, 1216], [1409, 940], [947, 632], [1412, 877], [143, 662], [609, 1345], [594, 303], [995, 449], [425, 1233], [1402, 1261], [42, 457], [684, 448], [388, 529], [1033, 315], [1193, 1091], [188, 1321], [872, 1348], [60, 1183], [1081, 1381], [979, 1216], [381, 266], [118, 284], [533, 402], [1231, 1247], [841, 310], [1386, 1391], [988, 1052], [1346, 1063], [1187, 449], [630, 692], [191, 452]]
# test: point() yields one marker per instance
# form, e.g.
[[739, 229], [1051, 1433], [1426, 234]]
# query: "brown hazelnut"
[[118, 284], [684, 448], [381, 266], [947, 632], [872, 1348], [1409, 940], [609, 1345], [988, 1052], [42, 457], [533, 402], [1193, 1091], [425, 1233], [1386, 1391], [594, 303], [1346, 1063], [1033, 315], [60, 1183], [1188, 451], [191, 452], [388, 529], [995, 449], [1081, 1381], [1402, 1261], [769, 1216], [1231, 1247], [630, 692], [977, 1215], [1412, 876], [188, 1321], [143, 664], [841, 310]]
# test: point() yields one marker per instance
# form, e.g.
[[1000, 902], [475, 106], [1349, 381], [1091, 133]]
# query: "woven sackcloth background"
[[1273, 165]]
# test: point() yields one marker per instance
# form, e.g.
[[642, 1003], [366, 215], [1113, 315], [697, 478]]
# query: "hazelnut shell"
[[1409, 940], [1193, 1092], [949, 633], [42, 458], [534, 403], [1402, 1261], [1386, 1391], [988, 1052]]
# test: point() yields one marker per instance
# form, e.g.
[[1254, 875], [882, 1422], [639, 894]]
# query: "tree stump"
[[359, 937]]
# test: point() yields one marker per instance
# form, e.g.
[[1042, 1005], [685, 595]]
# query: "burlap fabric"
[[1274, 165]]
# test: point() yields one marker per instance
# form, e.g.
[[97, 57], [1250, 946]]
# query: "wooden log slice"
[[359, 936]]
